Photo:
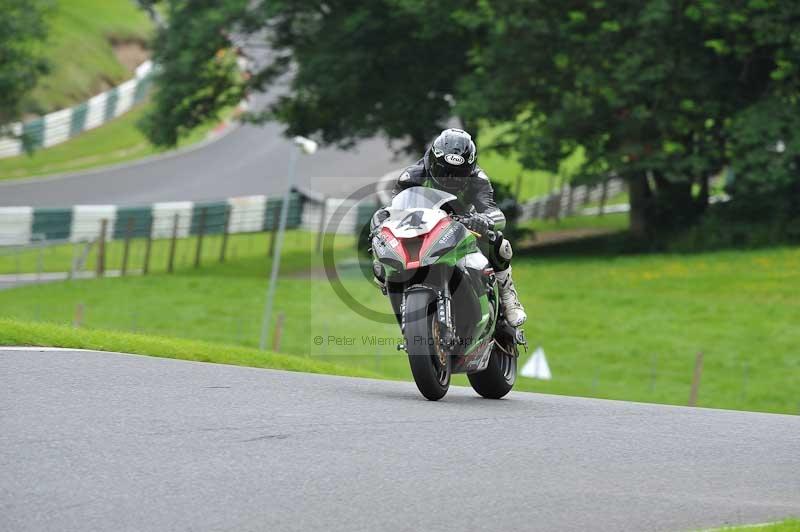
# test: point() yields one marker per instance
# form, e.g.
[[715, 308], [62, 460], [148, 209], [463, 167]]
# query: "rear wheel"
[[430, 365], [499, 376]]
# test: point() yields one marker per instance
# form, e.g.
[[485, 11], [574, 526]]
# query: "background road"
[[248, 160], [95, 441]]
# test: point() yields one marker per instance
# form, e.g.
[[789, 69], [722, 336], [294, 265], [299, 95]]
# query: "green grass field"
[[240, 248], [617, 222], [623, 328], [790, 525], [80, 52], [115, 142]]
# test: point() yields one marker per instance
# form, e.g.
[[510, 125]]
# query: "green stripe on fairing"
[[462, 249], [486, 314]]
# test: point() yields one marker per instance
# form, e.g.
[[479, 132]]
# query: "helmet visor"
[[450, 176]]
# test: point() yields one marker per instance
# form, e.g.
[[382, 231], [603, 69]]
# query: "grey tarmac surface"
[[247, 160], [98, 441]]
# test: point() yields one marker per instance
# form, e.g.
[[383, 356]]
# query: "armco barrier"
[[82, 223], [59, 126]]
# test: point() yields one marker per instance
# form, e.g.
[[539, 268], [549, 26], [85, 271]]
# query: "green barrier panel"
[[142, 222], [141, 89], [34, 132], [214, 217], [293, 219], [53, 224], [111, 104], [78, 119]]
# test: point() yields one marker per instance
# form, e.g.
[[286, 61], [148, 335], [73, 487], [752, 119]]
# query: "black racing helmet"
[[451, 159]]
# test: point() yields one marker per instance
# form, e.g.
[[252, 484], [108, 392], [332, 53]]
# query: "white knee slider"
[[505, 250]]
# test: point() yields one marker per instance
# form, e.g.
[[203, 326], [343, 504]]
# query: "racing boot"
[[515, 314]]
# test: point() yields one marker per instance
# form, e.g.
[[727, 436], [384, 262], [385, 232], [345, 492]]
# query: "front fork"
[[436, 280]]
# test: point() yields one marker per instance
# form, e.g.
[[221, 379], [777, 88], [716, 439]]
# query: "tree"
[[197, 73], [22, 33], [653, 90], [354, 69], [665, 93]]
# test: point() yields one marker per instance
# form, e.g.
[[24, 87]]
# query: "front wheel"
[[499, 376], [430, 365]]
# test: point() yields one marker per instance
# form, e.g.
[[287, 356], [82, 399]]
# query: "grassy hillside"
[[80, 51], [625, 328]]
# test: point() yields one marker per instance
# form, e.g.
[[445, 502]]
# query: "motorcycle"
[[444, 295]]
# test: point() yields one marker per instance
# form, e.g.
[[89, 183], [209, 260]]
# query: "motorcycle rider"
[[450, 165]]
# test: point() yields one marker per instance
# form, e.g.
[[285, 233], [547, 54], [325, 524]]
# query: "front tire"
[[499, 376], [429, 365]]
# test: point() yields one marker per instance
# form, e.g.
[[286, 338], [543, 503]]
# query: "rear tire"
[[499, 376], [431, 371]]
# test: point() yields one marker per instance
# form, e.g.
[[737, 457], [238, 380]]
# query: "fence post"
[[147, 247], [173, 242], [126, 250], [321, 229], [200, 231], [603, 198], [71, 272], [276, 338], [275, 222], [225, 232], [570, 200], [698, 373], [78, 319], [40, 262], [101, 248]]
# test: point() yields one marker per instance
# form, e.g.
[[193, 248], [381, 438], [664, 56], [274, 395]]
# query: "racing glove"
[[478, 222]]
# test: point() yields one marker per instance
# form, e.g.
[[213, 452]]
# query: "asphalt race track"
[[247, 160], [98, 441]]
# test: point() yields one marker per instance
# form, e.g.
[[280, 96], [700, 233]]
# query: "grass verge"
[[19, 333], [790, 525]]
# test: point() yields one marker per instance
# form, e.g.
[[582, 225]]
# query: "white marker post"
[[308, 147], [537, 367]]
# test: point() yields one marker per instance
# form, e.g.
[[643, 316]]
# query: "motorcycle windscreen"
[[421, 198], [416, 211]]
